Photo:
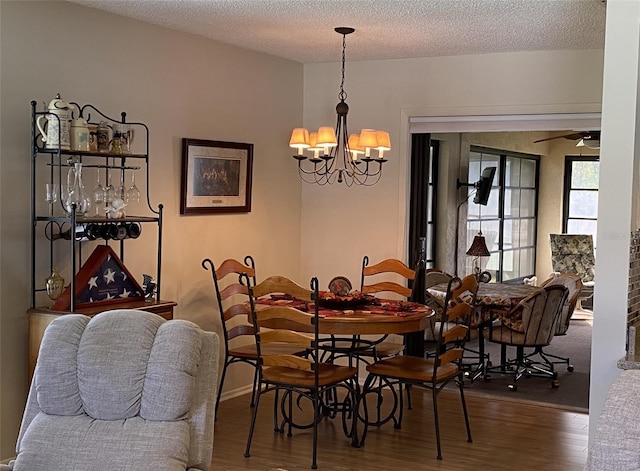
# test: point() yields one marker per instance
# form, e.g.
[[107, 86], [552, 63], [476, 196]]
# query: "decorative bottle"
[[76, 192]]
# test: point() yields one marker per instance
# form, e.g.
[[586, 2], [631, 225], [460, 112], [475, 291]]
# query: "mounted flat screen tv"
[[484, 186]]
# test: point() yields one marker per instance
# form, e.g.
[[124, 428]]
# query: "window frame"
[[569, 160], [501, 188]]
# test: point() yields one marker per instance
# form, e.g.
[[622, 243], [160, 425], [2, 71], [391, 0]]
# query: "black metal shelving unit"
[[56, 162]]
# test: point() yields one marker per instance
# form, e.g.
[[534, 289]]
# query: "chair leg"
[[290, 428], [255, 385], [224, 372], [464, 409], [434, 394], [316, 408], [398, 424], [408, 389], [253, 423], [276, 426]]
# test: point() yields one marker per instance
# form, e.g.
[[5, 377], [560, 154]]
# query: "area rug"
[[573, 392]]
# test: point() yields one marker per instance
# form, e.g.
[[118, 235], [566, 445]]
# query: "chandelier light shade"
[[338, 156]]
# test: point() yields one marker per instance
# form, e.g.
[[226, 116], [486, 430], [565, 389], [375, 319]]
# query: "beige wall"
[[179, 85]]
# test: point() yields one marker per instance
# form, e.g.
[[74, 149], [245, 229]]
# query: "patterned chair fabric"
[[573, 253], [122, 390]]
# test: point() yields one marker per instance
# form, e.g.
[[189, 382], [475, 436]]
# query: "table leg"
[[414, 344]]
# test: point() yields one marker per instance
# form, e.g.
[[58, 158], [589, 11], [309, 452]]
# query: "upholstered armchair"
[[124, 390], [574, 253]]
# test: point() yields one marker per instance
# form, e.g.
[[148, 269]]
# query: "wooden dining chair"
[[434, 277], [531, 323], [430, 373], [277, 325], [235, 315], [383, 277]]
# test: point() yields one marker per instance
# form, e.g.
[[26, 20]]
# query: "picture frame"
[[216, 177]]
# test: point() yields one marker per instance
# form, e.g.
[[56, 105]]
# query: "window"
[[509, 220], [580, 198]]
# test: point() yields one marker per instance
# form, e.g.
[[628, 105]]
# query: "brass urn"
[[54, 285]]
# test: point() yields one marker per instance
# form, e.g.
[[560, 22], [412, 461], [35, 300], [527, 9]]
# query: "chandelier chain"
[[343, 95]]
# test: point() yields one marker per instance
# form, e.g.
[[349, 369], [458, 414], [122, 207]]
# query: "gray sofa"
[[124, 390], [616, 442]]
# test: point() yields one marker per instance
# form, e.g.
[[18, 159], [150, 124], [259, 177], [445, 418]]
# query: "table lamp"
[[478, 249]]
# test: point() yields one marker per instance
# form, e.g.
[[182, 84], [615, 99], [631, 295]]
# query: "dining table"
[[492, 302], [346, 321], [370, 316]]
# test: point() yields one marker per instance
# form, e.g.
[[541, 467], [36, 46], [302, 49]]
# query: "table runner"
[[374, 306]]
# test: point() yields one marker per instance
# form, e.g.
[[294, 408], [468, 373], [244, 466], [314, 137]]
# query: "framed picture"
[[216, 177]]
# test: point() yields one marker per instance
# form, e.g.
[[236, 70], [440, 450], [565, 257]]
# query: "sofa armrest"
[[615, 442]]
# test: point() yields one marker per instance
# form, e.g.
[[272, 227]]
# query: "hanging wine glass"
[[99, 194], [133, 193], [122, 189], [109, 191]]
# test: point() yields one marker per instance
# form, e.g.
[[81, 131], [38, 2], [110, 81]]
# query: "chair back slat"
[[233, 289], [281, 285], [237, 310], [455, 333], [230, 266], [287, 336], [287, 361], [389, 286], [391, 267], [458, 311], [239, 330], [450, 356]]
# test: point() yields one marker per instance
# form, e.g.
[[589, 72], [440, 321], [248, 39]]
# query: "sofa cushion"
[[77, 443]]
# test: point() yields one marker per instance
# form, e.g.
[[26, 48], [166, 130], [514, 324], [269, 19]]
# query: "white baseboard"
[[236, 392]]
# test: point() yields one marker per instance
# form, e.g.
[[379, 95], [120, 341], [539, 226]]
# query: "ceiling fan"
[[585, 138]]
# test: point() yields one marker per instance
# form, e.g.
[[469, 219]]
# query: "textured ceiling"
[[302, 30]]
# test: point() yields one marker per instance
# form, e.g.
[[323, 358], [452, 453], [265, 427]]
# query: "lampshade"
[[326, 137], [354, 146], [384, 143], [368, 139], [479, 247], [313, 144], [299, 139]]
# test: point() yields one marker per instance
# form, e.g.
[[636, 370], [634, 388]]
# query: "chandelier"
[[338, 156]]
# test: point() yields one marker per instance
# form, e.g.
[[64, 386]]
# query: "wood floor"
[[507, 435]]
